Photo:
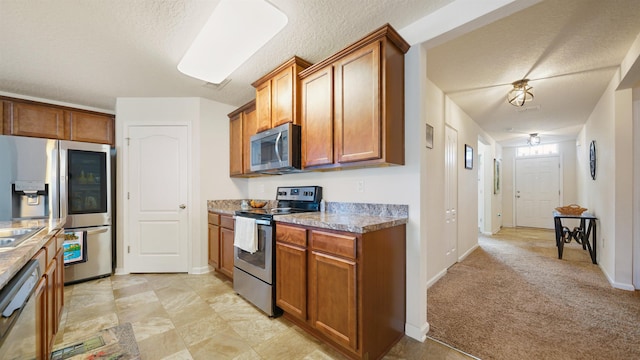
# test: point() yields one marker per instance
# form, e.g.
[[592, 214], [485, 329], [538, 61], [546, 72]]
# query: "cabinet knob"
[[183, 206]]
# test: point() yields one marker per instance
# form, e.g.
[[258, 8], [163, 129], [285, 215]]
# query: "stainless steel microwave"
[[276, 151]]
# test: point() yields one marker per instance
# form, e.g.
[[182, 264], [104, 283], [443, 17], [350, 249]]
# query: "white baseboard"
[[617, 285], [120, 271], [417, 333], [435, 279], [468, 252]]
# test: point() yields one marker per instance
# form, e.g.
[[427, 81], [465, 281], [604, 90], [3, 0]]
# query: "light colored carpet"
[[512, 298]]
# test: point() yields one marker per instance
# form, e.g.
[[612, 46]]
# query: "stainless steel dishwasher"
[[18, 337]]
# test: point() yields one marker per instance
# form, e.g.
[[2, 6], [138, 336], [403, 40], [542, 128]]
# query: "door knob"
[[183, 206]]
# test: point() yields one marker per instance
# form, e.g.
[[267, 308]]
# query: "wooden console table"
[[580, 234]]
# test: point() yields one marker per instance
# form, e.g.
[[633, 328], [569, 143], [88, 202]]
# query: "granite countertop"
[[354, 223], [350, 217], [12, 259]]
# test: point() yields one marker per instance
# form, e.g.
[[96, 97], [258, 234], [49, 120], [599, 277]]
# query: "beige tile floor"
[[181, 316]]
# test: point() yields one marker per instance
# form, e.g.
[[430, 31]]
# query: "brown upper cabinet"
[[30, 119], [242, 124], [353, 104], [90, 127], [278, 94], [33, 119]]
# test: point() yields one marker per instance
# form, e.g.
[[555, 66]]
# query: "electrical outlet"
[[360, 186]]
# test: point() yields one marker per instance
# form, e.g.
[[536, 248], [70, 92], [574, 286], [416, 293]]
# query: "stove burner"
[[286, 210], [290, 200]]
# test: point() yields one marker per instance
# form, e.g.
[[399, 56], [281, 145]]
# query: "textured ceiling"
[[91, 52], [569, 49]]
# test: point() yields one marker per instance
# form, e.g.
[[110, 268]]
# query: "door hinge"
[[128, 249], [128, 195], [128, 141]]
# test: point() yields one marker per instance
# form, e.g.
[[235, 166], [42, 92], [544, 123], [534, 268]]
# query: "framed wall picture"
[[592, 159], [468, 157], [497, 168], [429, 136]]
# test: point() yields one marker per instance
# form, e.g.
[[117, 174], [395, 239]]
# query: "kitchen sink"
[[12, 237]]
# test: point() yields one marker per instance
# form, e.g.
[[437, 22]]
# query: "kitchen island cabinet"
[[221, 233], [354, 101], [345, 288]]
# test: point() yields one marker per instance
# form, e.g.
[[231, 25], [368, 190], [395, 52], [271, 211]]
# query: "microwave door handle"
[[278, 146]]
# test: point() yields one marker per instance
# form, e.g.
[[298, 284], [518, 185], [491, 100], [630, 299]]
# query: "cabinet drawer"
[[51, 248], [291, 235], [41, 256], [227, 222], [337, 244], [214, 219]]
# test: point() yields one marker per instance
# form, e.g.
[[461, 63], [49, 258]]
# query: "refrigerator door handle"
[[97, 230]]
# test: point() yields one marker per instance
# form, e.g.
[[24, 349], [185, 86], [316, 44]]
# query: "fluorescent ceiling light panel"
[[234, 32]]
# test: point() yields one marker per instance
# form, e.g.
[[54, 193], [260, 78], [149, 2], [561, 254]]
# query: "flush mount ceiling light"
[[233, 33], [533, 139], [520, 94]]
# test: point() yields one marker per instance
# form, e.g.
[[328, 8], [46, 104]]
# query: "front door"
[[451, 195], [537, 191], [157, 216]]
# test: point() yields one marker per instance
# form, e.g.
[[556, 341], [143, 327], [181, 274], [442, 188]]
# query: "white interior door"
[[480, 189], [451, 195], [537, 191], [157, 235]]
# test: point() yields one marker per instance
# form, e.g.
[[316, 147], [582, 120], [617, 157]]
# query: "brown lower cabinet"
[[221, 233], [49, 295], [345, 288]]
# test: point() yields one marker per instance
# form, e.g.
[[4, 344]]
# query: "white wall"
[[636, 188], [609, 195], [442, 111], [209, 159]]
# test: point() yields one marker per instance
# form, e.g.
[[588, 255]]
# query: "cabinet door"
[[282, 106], [50, 276], [214, 246], [249, 127], [357, 105], [33, 120], [263, 106], [317, 118], [41, 319], [92, 128], [226, 252], [291, 279], [59, 288], [332, 284], [235, 148]]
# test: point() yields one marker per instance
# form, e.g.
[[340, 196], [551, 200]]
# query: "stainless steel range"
[[254, 273]]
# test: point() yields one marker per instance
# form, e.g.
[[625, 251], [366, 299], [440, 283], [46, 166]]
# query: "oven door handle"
[[259, 221]]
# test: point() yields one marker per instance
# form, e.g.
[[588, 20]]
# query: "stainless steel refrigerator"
[[41, 179]]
